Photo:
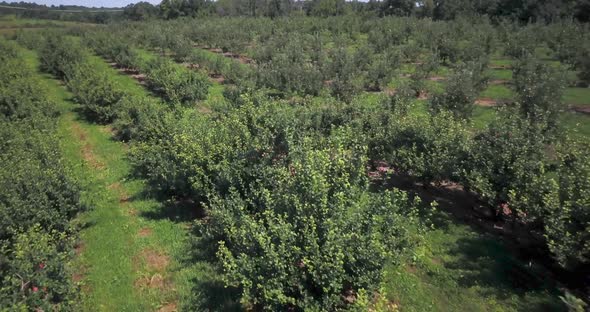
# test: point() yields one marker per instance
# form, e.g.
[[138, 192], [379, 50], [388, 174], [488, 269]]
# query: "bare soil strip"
[[581, 109]]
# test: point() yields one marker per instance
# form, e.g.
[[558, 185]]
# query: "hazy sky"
[[91, 3]]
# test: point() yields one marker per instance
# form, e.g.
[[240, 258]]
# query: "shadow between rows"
[[501, 254], [208, 291]]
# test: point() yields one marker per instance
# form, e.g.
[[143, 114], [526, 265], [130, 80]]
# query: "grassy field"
[[10, 21], [463, 269]]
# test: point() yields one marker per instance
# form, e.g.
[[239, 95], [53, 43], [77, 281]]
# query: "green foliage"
[[113, 48], [507, 162], [95, 91], [429, 148], [310, 236], [29, 39], [36, 273], [567, 223], [176, 84], [20, 94], [539, 89], [38, 195], [288, 68], [140, 11], [140, 119], [346, 80], [422, 72], [326, 8], [398, 7], [60, 55], [36, 187], [461, 91], [573, 303], [583, 64], [382, 70]]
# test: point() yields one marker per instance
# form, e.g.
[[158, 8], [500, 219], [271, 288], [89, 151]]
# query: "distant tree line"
[[523, 10], [62, 12]]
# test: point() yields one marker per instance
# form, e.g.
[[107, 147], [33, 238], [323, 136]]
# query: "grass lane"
[[128, 255]]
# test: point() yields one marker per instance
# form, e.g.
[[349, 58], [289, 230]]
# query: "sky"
[[90, 3]]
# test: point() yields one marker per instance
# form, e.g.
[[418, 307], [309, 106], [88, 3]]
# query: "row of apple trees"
[[290, 218], [39, 195]]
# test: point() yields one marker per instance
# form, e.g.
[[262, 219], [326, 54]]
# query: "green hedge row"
[[38, 195], [173, 82]]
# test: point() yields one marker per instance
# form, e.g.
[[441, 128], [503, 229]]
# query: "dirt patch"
[[115, 186], [486, 102], [79, 249], [214, 50], [128, 71], [581, 109], [154, 260], [107, 130], [141, 78], [204, 110], [170, 307], [156, 281], [79, 132], [192, 66], [88, 155], [411, 269], [145, 232], [389, 91], [437, 78], [217, 78], [500, 66], [123, 198], [132, 72], [87, 150], [422, 95], [77, 277], [499, 81], [118, 187]]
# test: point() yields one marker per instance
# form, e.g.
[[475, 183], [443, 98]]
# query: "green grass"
[[577, 96], [578, 125], [498, 92], [11, 21], [145, 56], [125, 225], [504, 74], [501, 62], [460, 269]]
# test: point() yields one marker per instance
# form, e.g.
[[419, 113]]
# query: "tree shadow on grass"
[[177, 210], [171, 208], [208, 291], [210, 294], [453, 201], [484, 262]]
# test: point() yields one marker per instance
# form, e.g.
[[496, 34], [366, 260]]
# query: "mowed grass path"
[[129, 246]]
